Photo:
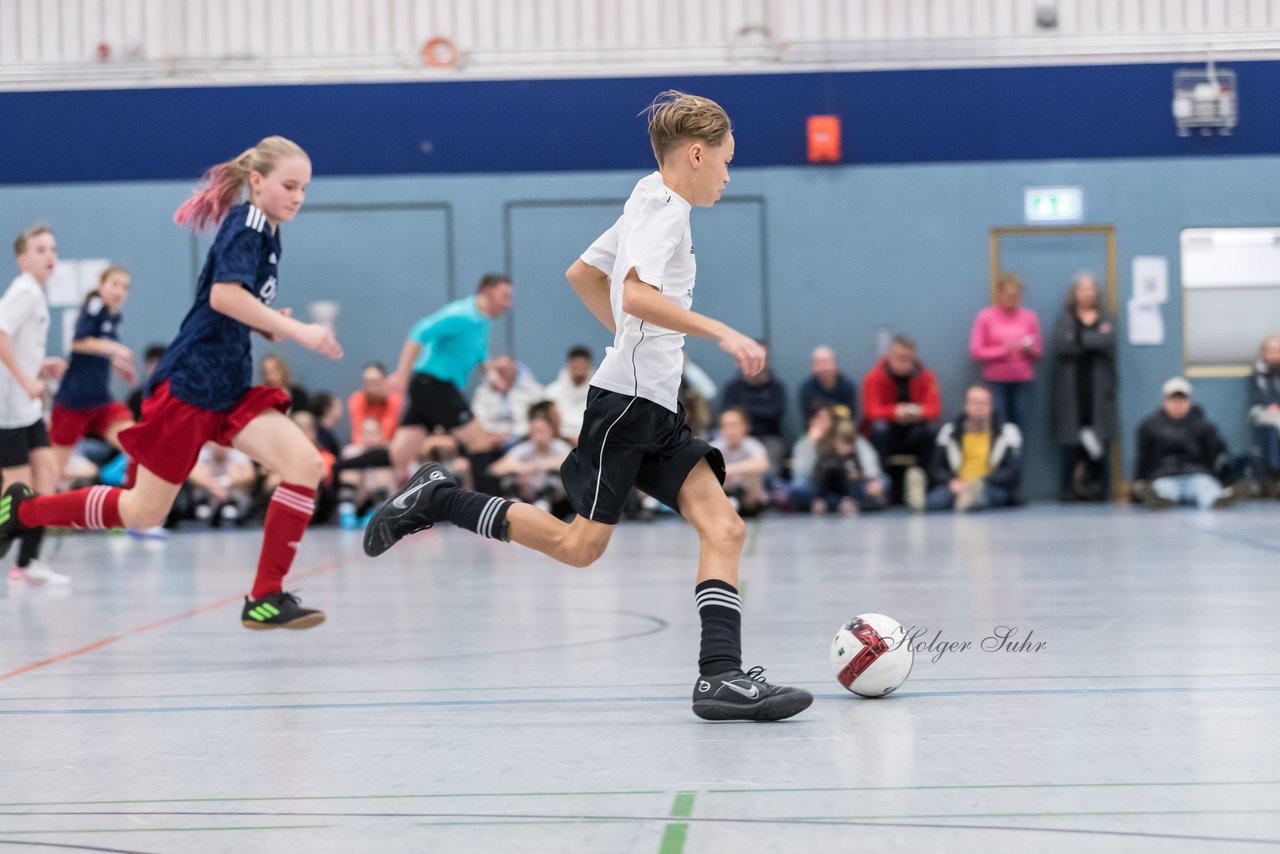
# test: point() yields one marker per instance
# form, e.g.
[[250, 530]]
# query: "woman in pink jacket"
[[1006, 340]]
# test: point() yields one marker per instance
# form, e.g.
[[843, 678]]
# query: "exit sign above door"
[[1053, 204]]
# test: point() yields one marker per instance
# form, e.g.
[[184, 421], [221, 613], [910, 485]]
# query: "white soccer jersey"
[[24, 317], [652, 236]]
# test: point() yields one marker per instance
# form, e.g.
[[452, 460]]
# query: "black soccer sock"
[[720, 608], [29, 547], [483, 514]]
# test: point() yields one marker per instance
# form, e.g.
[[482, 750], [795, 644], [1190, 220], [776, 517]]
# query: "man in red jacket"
[[900, 398]]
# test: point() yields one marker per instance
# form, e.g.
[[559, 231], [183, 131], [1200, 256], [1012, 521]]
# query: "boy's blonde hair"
[[20, 245], [676, 116]]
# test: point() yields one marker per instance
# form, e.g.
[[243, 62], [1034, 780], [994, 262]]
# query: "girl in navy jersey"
[[83, 405], [201, 390]]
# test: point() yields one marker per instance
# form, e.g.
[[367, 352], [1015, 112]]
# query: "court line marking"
[[318, 569], [632, 685], [47, 832], [69, 846], [561, 701], [665, 819], [1242, 539], [632, 792], [674, 834]]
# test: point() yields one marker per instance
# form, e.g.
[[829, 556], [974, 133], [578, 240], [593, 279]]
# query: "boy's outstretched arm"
[[644, 301]]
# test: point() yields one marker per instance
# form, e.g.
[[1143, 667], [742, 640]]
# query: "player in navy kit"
[[83, 405], [201, 390], [638, 280]]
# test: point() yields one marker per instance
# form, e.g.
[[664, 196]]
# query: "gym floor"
[[468, 695]]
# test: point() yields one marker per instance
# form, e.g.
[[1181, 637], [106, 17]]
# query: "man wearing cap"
[[1178, 452]]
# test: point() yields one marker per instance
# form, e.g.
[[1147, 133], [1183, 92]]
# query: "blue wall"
[[933, 115], [845, 251], [447, 181]]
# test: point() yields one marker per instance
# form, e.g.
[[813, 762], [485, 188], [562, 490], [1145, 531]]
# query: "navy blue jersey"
[[87, 382], [210, 363]]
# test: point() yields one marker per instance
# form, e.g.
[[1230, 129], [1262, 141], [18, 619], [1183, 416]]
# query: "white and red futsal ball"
[[871, 655]]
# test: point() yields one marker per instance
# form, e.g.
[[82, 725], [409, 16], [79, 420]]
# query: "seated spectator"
[[275, 374], [501, 403], [977, 460], [1179, 454], [530, 470], [1006, 340], [900, 398], [804, 458], [327, 410], [222, 485], [363, 474], [826, 386], [151, 357], [569, 392], [764, 400], [375, 400], [847, 477], [1264, 412], [746, 462]]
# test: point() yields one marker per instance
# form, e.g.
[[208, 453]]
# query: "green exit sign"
[[1053, 204]]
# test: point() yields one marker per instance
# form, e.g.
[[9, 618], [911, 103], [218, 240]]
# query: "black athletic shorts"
[[629, 441], [434, 403], [16, 444]]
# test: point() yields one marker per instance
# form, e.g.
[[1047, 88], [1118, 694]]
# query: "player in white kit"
[[638, 279]]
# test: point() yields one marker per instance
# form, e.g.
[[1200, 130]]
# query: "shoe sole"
[[377, 535], [310, 621], [770, 709]]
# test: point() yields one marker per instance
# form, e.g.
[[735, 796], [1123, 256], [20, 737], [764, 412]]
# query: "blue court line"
[[553, 701], [1243, 539]]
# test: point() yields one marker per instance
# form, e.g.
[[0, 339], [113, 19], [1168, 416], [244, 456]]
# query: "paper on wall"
[[72, 279], [63, 286], [1150, 279], [1146, 323]]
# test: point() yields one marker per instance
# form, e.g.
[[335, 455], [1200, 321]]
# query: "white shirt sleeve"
[[659, 228], [604, 251], [18, 307]]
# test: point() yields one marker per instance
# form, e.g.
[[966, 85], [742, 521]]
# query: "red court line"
[[319, 569]]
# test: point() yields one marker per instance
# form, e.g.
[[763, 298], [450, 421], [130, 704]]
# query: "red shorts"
[[68, 426], [168, 439]]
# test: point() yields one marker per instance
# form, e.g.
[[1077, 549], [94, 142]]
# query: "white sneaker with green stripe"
[[279, 611]]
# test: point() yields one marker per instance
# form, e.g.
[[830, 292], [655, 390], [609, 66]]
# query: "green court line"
[[160, 829], [673, 835], [969, 786], [753, 539], [483, 688], [330, 798]]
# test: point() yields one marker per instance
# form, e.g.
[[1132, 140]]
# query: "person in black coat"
[[826, 386], [1264, 411]]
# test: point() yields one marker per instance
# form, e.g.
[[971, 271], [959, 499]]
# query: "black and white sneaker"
[[10, 528], [408, 511], [279, 611], [738, 696]]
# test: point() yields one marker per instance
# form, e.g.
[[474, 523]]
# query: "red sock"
[[95, 508], [288, 513]]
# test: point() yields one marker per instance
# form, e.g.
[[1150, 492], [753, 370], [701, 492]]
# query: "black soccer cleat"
[[10, 528], [408, 511], [279, 611], [738, 696]]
